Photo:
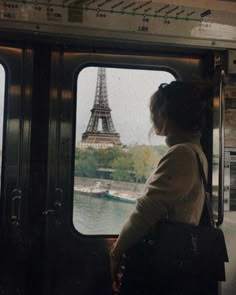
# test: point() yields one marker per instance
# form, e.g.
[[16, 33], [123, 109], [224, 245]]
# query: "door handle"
[[59, 198], [16, 207], [57, 202]]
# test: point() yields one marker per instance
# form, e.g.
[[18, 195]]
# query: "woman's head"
[[179, 106]]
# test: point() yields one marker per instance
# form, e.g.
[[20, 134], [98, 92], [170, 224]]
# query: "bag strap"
[[207, 201], [202, 172]]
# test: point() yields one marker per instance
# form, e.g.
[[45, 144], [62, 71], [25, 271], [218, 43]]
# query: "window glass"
[[2, 92], [215, 169], [114, 152]]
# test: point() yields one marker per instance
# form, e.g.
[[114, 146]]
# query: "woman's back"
[[189, 207]]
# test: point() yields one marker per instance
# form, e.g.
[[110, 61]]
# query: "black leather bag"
[[178, 252]]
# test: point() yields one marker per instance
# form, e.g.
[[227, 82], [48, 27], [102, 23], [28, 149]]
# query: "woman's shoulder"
[[183, 149], [183, 152]]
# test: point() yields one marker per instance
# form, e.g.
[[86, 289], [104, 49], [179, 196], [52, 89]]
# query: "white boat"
[[129, 197], [91, 190]]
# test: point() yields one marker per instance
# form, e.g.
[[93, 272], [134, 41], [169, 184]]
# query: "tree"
[[106, 156], [127, 164], [123, 168], [86, 163], [145, 159]]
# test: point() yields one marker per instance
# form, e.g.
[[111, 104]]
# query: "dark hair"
[[184, 103]]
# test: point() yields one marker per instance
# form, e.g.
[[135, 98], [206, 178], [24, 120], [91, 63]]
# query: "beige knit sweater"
[[175, 189]]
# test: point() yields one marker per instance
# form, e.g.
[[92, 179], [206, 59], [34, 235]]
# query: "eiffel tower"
[[101, 115]]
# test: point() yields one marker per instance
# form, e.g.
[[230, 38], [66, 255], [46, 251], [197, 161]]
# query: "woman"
[[175, 188]]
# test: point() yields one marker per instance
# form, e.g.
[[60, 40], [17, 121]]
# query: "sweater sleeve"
[[170, 183]]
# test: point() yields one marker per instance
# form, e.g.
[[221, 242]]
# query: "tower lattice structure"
[[101, 113]]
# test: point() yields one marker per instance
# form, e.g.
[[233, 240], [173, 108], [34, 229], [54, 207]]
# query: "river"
[[94, 215]]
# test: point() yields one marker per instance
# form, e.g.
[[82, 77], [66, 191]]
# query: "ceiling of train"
[[189, 19]]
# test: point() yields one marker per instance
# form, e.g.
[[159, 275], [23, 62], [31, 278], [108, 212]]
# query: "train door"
[[15, 121], [78, 241]]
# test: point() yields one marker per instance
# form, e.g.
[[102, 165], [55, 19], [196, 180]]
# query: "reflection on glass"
[[215, 170], [2, 92], [114, 153]]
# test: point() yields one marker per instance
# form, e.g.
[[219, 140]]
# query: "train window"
[[2, 91], [114, 151]]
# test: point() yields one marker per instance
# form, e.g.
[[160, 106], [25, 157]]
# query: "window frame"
[[113, 66]]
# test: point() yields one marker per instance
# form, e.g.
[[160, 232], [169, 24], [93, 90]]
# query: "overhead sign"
[[205, 19]]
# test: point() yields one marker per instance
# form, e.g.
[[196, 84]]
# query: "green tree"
[[123, 168], [86, 163], [106, 156], [145, 159]]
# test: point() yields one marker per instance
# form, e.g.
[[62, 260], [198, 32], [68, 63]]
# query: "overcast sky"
[[129, 93]]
